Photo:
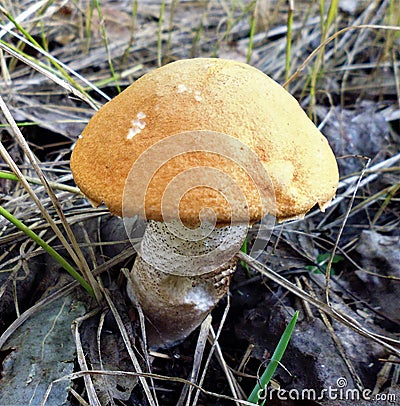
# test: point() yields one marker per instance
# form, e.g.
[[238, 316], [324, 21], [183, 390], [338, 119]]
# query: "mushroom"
[[201, 149]]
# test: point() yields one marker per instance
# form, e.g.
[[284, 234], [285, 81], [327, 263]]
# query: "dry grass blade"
[[330, 39], [142, 321], [340, 232], [373, 170], [336, 340], [91, 392], [99, 354], [353, 183], [65, 290], [78, 397], [83, 95], [81, 374], [198, 356], [125, 336], [75, 250], [7, 158], [13, 327], [228, 373], [30, 11], [45, 72], [213, 338], [389, 343]]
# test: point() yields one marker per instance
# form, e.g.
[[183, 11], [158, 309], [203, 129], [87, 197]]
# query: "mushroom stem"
[[178, 279]]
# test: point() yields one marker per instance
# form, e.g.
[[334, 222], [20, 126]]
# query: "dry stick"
[[331, 38], [386, 342], [75, 252]]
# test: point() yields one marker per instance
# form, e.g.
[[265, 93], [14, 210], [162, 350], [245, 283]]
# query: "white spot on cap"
[[182, 88], [137, 125], [197, 95]]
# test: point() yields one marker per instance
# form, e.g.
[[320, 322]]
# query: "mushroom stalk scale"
[[173, 282]]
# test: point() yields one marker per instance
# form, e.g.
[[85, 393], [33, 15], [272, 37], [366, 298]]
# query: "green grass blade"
[[243, 263], [37, 181], [318, 67], [8, 176], [273, 364], [107, 48], [289, 35], [32, 41], [251, 38], [51, 251], [159, 33]]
